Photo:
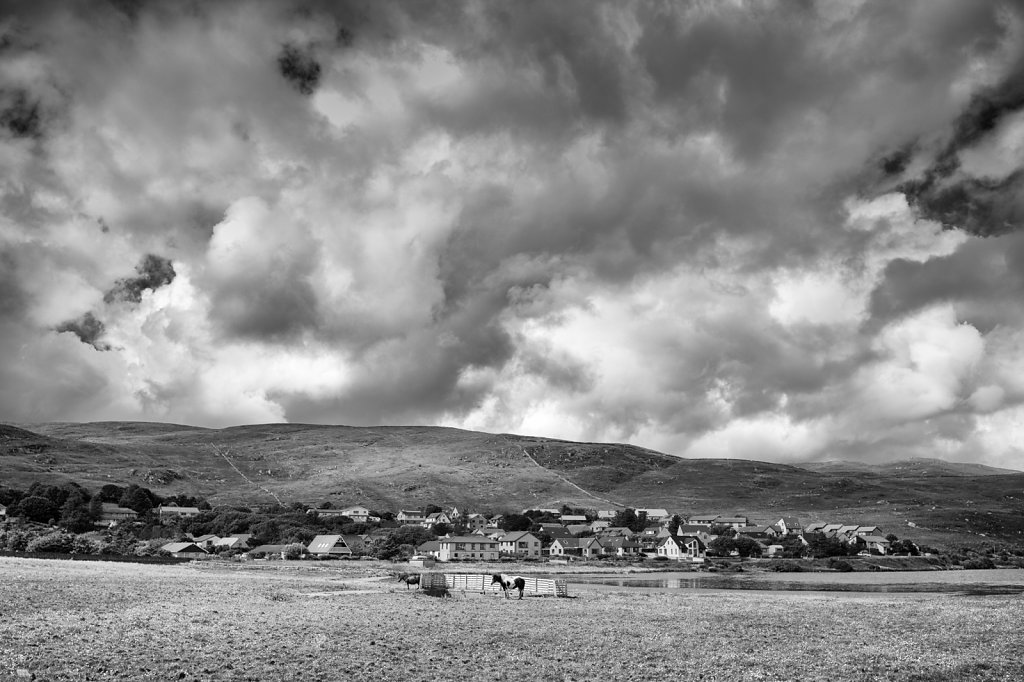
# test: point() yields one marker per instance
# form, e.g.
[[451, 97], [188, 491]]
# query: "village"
[[554, 535]]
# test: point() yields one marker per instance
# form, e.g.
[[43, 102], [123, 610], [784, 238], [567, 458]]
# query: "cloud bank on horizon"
[[779, 231]]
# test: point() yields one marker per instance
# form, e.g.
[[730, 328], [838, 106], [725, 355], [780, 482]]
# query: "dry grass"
[[70, 620]]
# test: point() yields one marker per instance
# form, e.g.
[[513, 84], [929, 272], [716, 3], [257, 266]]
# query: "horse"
[[509, 582], [409, 579]]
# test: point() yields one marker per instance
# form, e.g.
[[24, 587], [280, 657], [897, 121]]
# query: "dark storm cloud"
[[299, 67], [154, 272], [89, 330], [19, 114], [984, 278]]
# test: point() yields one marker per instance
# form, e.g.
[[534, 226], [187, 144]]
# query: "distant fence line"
[[122, 558], [471, 582]]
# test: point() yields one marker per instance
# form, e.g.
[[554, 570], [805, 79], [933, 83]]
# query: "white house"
[[581, 547], [467, 547], [682, 548], [520, 543], [410, 516]]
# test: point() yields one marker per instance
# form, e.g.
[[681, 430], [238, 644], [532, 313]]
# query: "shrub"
[[57, 541], [979, 563], [293, 551], [840, 565]]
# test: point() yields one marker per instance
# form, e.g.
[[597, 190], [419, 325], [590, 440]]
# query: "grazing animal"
[[409, 579], [509, 582]]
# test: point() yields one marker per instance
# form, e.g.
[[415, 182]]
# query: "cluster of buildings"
[[570, 536]]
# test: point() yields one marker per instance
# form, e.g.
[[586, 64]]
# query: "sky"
[[784, 231]]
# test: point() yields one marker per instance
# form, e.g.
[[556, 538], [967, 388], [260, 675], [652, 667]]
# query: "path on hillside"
[[565, 480], [247, 479]]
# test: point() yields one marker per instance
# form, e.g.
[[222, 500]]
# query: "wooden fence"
[[461, 582]]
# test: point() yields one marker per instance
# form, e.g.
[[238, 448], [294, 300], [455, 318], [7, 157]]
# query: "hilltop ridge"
[[391, 467]]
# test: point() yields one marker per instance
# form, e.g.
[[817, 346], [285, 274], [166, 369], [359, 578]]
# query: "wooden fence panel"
[[463, 582]]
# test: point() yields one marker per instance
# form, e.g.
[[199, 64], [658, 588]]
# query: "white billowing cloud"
[[772, 437], [690, 229], [925, 365]]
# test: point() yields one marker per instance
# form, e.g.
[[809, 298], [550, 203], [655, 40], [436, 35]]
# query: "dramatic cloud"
[[769, 230]]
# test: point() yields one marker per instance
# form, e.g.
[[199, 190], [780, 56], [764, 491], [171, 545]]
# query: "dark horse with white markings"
[[409, 579], [509, 582]]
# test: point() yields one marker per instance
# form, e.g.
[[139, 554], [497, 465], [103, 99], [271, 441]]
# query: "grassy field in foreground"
[[96, 621]]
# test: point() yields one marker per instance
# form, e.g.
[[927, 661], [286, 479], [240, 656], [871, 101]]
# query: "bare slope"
[[396, 467]]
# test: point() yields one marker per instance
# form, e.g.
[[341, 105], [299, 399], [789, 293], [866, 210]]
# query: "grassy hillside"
[[395, 467]]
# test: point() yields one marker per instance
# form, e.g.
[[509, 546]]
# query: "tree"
[[96, 508], [516, 522], [674, 523], [37, 508], [111, 493], [137, 498]]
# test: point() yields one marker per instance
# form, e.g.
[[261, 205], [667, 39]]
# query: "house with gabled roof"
[[409, 516], [581, 547], [617, 531], [115, 512], [329, 545], [831, 529], [597, 525], [788, 525], [875, 544], [608, 514], [430, 548], [555, 530], [654, 514], [519, 543], [184, 550], [235, 541], [567, 519], [467, 547], [868, 530], [620, 546], [757, 532], [476, 521], [435, 519], [266, 551], [732, 521], [169, 512], [496, 521], [682, 548], [702, 520], [815, 527]]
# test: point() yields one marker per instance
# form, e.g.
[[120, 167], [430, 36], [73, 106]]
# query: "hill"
[[410, 466]]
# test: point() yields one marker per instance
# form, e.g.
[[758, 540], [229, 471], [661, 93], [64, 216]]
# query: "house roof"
[[429, 546], [576, 528], [790, 521], [178, 510], [517, 536], [179, 547], [573, 518], [466, 538], [754, 529], [328, 544], [731, 519], [654, 513], [112, 508], [691, 529], [267, 549]]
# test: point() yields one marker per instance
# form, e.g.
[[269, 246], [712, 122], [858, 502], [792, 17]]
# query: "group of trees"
[[75, 509]]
